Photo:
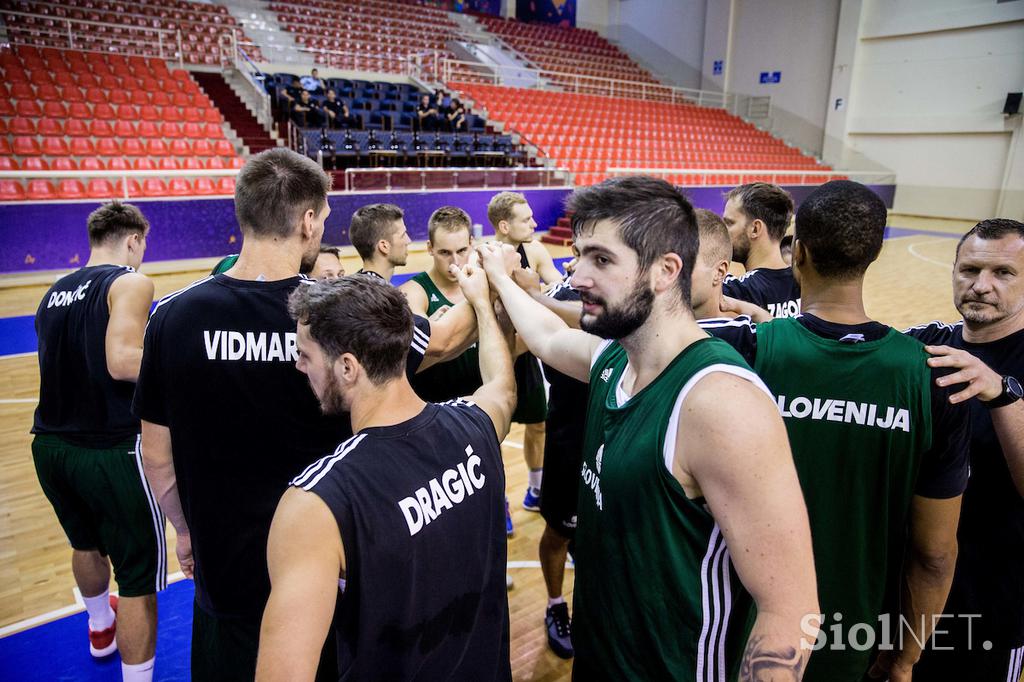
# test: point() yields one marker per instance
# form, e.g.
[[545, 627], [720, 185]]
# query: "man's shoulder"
[[184, 297], [937, 333]]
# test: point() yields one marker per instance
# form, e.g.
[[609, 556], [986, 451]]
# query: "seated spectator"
[[427, 115], [314, 83], [288, 96], [337, 112], [306, 113], [457, 116]]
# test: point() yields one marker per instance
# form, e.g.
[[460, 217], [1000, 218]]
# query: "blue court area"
[[60, 650]]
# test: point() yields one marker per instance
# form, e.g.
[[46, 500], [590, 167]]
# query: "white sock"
[[534, 478], [557, 600], [137, 672], [101, 616]]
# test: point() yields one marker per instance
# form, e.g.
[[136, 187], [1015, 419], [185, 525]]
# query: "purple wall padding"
[[52, 235]]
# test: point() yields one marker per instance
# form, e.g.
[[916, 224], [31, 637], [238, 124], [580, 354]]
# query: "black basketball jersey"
[[989, 579], [526, 367], [78, 399], [420, 508], [218, 369], [775, 290], [567, 398]]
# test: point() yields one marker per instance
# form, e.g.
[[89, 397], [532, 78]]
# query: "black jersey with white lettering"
[[420, 509], [78, 399], [775, 290], [218, 369], [989, 578]]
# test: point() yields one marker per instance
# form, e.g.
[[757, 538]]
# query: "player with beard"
[[423, 594], [982, 638], [757, 215], [227, 420], [680, 520]]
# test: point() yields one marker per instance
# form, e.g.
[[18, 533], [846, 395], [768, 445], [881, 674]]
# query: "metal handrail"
[[350, 173]]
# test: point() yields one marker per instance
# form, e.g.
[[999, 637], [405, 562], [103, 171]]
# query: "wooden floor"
[[909, 284]]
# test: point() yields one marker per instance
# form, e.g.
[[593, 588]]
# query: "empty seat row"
[[73, 127], [105, 112], [94, 163], [110, 146], [101, 188]]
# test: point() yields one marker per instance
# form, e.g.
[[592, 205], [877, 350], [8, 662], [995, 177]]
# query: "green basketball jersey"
[[225, 264], [656, 597], [859, 421], [446, 380]]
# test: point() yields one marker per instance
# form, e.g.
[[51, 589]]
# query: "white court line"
[[19, 401], [926, 259], [17, 355], [49, 616]]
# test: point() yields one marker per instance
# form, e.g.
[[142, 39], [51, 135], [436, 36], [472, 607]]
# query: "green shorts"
[[104, 503], [532, 402]]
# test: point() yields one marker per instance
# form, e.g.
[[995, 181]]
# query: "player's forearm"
[[452, 333], [534, 323], [778, 648], [158, 464], [567, 311], [926, 582], [124, 363], [283, 655], [494, 355], [1008, 422]]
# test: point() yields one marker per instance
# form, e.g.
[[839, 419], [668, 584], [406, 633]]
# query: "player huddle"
[[816, 496]]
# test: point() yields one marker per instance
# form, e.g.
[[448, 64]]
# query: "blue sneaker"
[[508, 520], [559, 629], [531, 501]]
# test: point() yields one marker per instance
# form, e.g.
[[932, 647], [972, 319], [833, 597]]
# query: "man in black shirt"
[[839, 231], [407, 513], [306, 112], [757, 215], [90, 327], [427, 116], [982, 636], [227, 420]]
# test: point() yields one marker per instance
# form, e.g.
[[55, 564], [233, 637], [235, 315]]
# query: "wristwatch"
[[1012, 392]]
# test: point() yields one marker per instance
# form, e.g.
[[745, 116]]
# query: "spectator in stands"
[[313, 83], [427, 115], [337, 113], [306, 113], [291, 93], [457, 116]]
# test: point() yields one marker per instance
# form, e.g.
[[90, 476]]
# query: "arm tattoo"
[[765, 663]]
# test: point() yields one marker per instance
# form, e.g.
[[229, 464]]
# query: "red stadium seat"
[[202, 147], [128, 112], [20, 125], [236, 162], [204, 186], [149, 129], [50, 126], [144, 164], [124, 129], [104, 111], [40, 189], [49, 93], [64, 164], [82, 146], [168, 163], [28, 107], [192, 114], [149, 113], [95, 96], [180, 148], [100, 188], [108, 146], [71, 189], [134, 189], [132, 146], [35, 164], [154, 187], [216, 163], [192, 130], [179, 187], [91, 163], [55, 146], [181, 99], [160, 99], [55, 110], [6, 107], [170, 130], [212, 116], [101, 129], [171, 114], [5, 146], [23, 91], [157, 147], [26, 146], [224, 148], [192, 163], [79, 110], [11, 190], [213, 131], [118, 163], [8, 164], [226, 185], [75, 127]]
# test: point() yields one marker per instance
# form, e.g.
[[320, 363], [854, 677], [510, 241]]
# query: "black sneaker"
[[559, 630]]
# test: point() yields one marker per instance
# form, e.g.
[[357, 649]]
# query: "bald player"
[[757, 215]]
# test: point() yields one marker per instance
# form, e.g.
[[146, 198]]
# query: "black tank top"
[[78, 399], [420, 507]]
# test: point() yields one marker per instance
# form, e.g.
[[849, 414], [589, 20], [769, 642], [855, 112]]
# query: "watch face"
[[1013, 387]]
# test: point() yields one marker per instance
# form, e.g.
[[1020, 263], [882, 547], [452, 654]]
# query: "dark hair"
[[653, 219], [713, 233], [842, 224], [449, 219], [113, 221], [768, 203], [993, 228], [275, 188], [370, 224], [787, 242], [359, 315], [324, 248]]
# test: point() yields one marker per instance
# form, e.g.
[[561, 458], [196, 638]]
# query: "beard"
[[620, 321], [740, 252], [332, 402], [981, 314], [308, 261]]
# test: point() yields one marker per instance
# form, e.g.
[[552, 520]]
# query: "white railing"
[[448, 70], [168, 42], [709, 176], [544, 176], [256, 79], [122, 175]]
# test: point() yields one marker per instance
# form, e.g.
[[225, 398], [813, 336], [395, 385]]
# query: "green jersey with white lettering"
[[859, 422], [656, 597], [459, 376]]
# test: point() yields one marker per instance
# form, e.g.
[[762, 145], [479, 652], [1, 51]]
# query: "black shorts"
[[104, 503], [563, 458], [532, 399]]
